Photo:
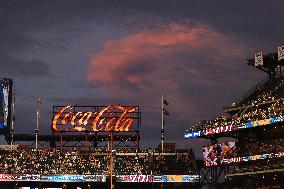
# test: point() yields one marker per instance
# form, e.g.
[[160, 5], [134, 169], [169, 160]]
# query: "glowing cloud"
[[147, 58]]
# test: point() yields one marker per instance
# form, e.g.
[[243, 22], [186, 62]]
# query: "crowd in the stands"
[[249, 114], [263, 92], [263, 102], [258, 147], [179, 163], [55, 161], [50, 161]]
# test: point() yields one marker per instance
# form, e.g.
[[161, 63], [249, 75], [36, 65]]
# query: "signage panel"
[[215, 154], [96, 118], [134, 178], [53, 178], [5, 104], [230, 128]]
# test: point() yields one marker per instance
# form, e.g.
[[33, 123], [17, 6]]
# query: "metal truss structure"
[[76, 141], [213, 175]]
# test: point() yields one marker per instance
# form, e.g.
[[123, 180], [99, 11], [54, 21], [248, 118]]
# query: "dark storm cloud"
[[19, 22], [20, 68], [257, 21]]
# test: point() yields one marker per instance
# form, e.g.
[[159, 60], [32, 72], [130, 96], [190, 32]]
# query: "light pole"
[[37, 119], [110, 161], [164, 111], [162, 129]]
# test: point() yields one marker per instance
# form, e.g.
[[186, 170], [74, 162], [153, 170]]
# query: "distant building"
[[168, 147]]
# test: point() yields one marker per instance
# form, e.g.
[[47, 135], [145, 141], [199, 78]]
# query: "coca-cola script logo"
[[110, 118]]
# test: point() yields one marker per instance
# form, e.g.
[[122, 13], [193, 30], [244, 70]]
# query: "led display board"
[[154, 178], [99, 178], [52, 178], [5, 104], [215, 154], [223, 153], [231, 128], [253, 157]]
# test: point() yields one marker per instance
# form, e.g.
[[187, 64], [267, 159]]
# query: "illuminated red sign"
[[110, 118], [6, 177]]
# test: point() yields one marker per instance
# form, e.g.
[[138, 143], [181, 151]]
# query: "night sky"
[[131, 52]]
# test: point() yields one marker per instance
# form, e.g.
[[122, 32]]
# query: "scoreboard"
[[6, 86]]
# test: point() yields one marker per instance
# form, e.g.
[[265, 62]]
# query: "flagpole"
[[37, 120], [162, 130], [13, 116]]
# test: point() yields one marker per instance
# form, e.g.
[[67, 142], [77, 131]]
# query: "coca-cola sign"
[[104, 118]]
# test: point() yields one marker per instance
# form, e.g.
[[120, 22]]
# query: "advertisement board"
[[153, 178], [73, 178], [231, 128], [189, 135], [253, 157], [36, 188], [99, 178], [53, 178], [176, 178], [116, 118], [134, 178], [215, 154]]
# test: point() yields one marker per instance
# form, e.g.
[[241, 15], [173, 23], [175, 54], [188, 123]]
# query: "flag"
[[258, 59], [280, 53], [39, 100], [165, 111], [165, 102]]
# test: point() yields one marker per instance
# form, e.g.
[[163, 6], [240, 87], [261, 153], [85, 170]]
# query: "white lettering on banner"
[[192, 135], [195, 134], [251, 158], [233, 160], [222, 129], [136, 178]]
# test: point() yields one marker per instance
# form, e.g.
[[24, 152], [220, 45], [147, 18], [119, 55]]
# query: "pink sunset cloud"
[[144, 59]]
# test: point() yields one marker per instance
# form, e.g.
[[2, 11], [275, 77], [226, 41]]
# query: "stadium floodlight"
[[258, 59], [280, 53]]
